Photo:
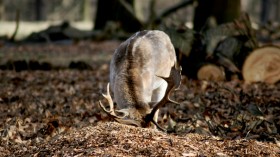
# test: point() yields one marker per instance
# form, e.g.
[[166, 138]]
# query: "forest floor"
[[54, 110]]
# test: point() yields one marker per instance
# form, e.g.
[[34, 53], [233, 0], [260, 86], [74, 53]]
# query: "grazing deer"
[[143, 72]]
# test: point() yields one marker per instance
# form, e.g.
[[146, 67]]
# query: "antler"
[[173, 81], [111, 113]]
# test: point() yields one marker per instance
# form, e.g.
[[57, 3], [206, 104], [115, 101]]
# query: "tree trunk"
[[2, 10], [113, 10], [269, 11], [222, 10], [38, 10], [85, 9]]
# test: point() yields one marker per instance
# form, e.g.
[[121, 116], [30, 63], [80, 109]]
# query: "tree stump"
[[262, 65]]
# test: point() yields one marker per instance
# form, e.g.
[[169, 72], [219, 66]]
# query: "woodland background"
[[54, 65]]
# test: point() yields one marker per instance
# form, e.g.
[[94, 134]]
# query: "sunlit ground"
[[25, 28]]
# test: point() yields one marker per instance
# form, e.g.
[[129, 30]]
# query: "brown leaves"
[[113, 139], [231, 110], [54, 112]]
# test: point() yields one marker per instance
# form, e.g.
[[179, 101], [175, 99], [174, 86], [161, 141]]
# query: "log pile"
[[226, 52]]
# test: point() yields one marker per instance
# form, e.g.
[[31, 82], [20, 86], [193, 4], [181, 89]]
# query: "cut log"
[[211, 72], [226, 45], [262, 65]]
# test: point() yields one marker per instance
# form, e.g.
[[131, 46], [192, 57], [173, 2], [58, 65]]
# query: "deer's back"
[[137, 63]]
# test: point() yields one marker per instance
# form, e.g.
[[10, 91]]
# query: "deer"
[[143, 73]]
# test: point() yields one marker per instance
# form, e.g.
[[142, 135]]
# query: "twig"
[[130, 9], [17, 26]]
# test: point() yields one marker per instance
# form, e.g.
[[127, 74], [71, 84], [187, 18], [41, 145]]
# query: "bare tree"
[[269, 10], [222, 10], [85, 9], [38, 10], [2, 10], [118, 11]]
